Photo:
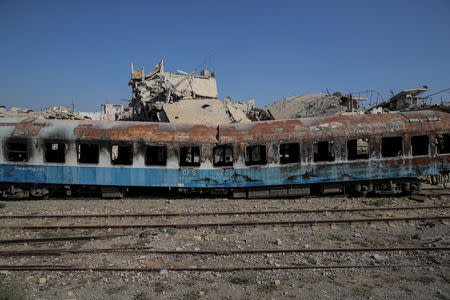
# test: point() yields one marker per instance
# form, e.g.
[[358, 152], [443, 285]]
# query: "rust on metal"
[[235, 224], [227, 213]]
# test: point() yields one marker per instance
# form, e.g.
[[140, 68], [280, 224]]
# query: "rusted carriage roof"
[[334, 126], [295, 129], [113, 130]]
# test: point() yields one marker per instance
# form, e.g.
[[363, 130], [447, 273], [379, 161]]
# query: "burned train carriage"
[[384, 153]]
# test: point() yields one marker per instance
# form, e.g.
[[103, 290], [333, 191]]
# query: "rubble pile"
[[313, 105], [152, 90], [57, 112]]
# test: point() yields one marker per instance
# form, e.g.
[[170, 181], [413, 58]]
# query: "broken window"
[[122, 154], [88, 153], [156, 155], [392, 146], [255, 155], [358, 149], [323, 151], [17, 151], [289, 153], [190, 156], [443, 143], [55, 152], [223, 156], [419, 145]]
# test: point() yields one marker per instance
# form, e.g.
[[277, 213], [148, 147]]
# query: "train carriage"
[[385, 153]]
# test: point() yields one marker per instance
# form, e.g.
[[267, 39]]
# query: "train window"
[[17, 151], [289, 153], [156, 156], [55, 152], [358, 149], [255, 155], [88, 153], [223, 156], [391, 146], [443, 143], [419, 145], [190, 156], [323, 151], [122, 154]]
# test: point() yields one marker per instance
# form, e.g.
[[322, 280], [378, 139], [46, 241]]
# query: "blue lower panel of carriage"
[[215, 178]]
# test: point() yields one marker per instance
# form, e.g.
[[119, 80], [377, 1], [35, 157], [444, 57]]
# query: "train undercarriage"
[[355, 188]]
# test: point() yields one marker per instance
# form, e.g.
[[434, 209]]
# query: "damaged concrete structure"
[[313, 105], [405, 100], [152, 90]]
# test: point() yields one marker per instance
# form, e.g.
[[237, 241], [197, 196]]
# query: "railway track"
[[200, 269], [226, 224], [60, 252], [223, 213]]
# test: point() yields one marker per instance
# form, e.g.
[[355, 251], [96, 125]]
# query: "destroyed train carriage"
[[362, 153]]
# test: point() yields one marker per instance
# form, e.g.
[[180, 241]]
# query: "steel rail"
[[61, 252], [59, 239], [199, 269], [234, 224], [227, 213]]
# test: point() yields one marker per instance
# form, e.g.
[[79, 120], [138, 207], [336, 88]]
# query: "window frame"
[[392, 137], [428, 145], [256, 163], [119, 144], [79, 143], [190, 164], [437, 145], [155, 164], [22, 142], [46, 142], [356, 139], [333, 152], [299, 159], [223, 164]]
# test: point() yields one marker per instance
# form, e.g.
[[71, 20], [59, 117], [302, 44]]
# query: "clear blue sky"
[[55, 51]]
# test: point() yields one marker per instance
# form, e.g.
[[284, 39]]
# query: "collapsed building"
[[313, 105]]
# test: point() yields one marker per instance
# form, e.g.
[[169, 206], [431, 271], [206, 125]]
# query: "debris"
[[277, 282], [416, 236], [163, 272], [405, 100], [42, 280], [150, 91], [57, 112], [197, 238], [418, 198], [279, 242], [144, 235], [314, 105], [379, 257], [425, 226]]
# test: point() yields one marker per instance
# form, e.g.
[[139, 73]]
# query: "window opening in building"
[[289, 153], [156, 155], [255, 155], [443, 143], [190, 156], [420, 145], [55, 152], [358, 149], [392, 146], [122, 154], [88, 153], [223, 156], [323, 151], [17, 151]]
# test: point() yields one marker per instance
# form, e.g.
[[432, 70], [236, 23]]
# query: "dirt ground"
[[428, 280]]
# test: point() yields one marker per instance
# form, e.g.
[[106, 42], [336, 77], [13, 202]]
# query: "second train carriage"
[[382, 153]]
